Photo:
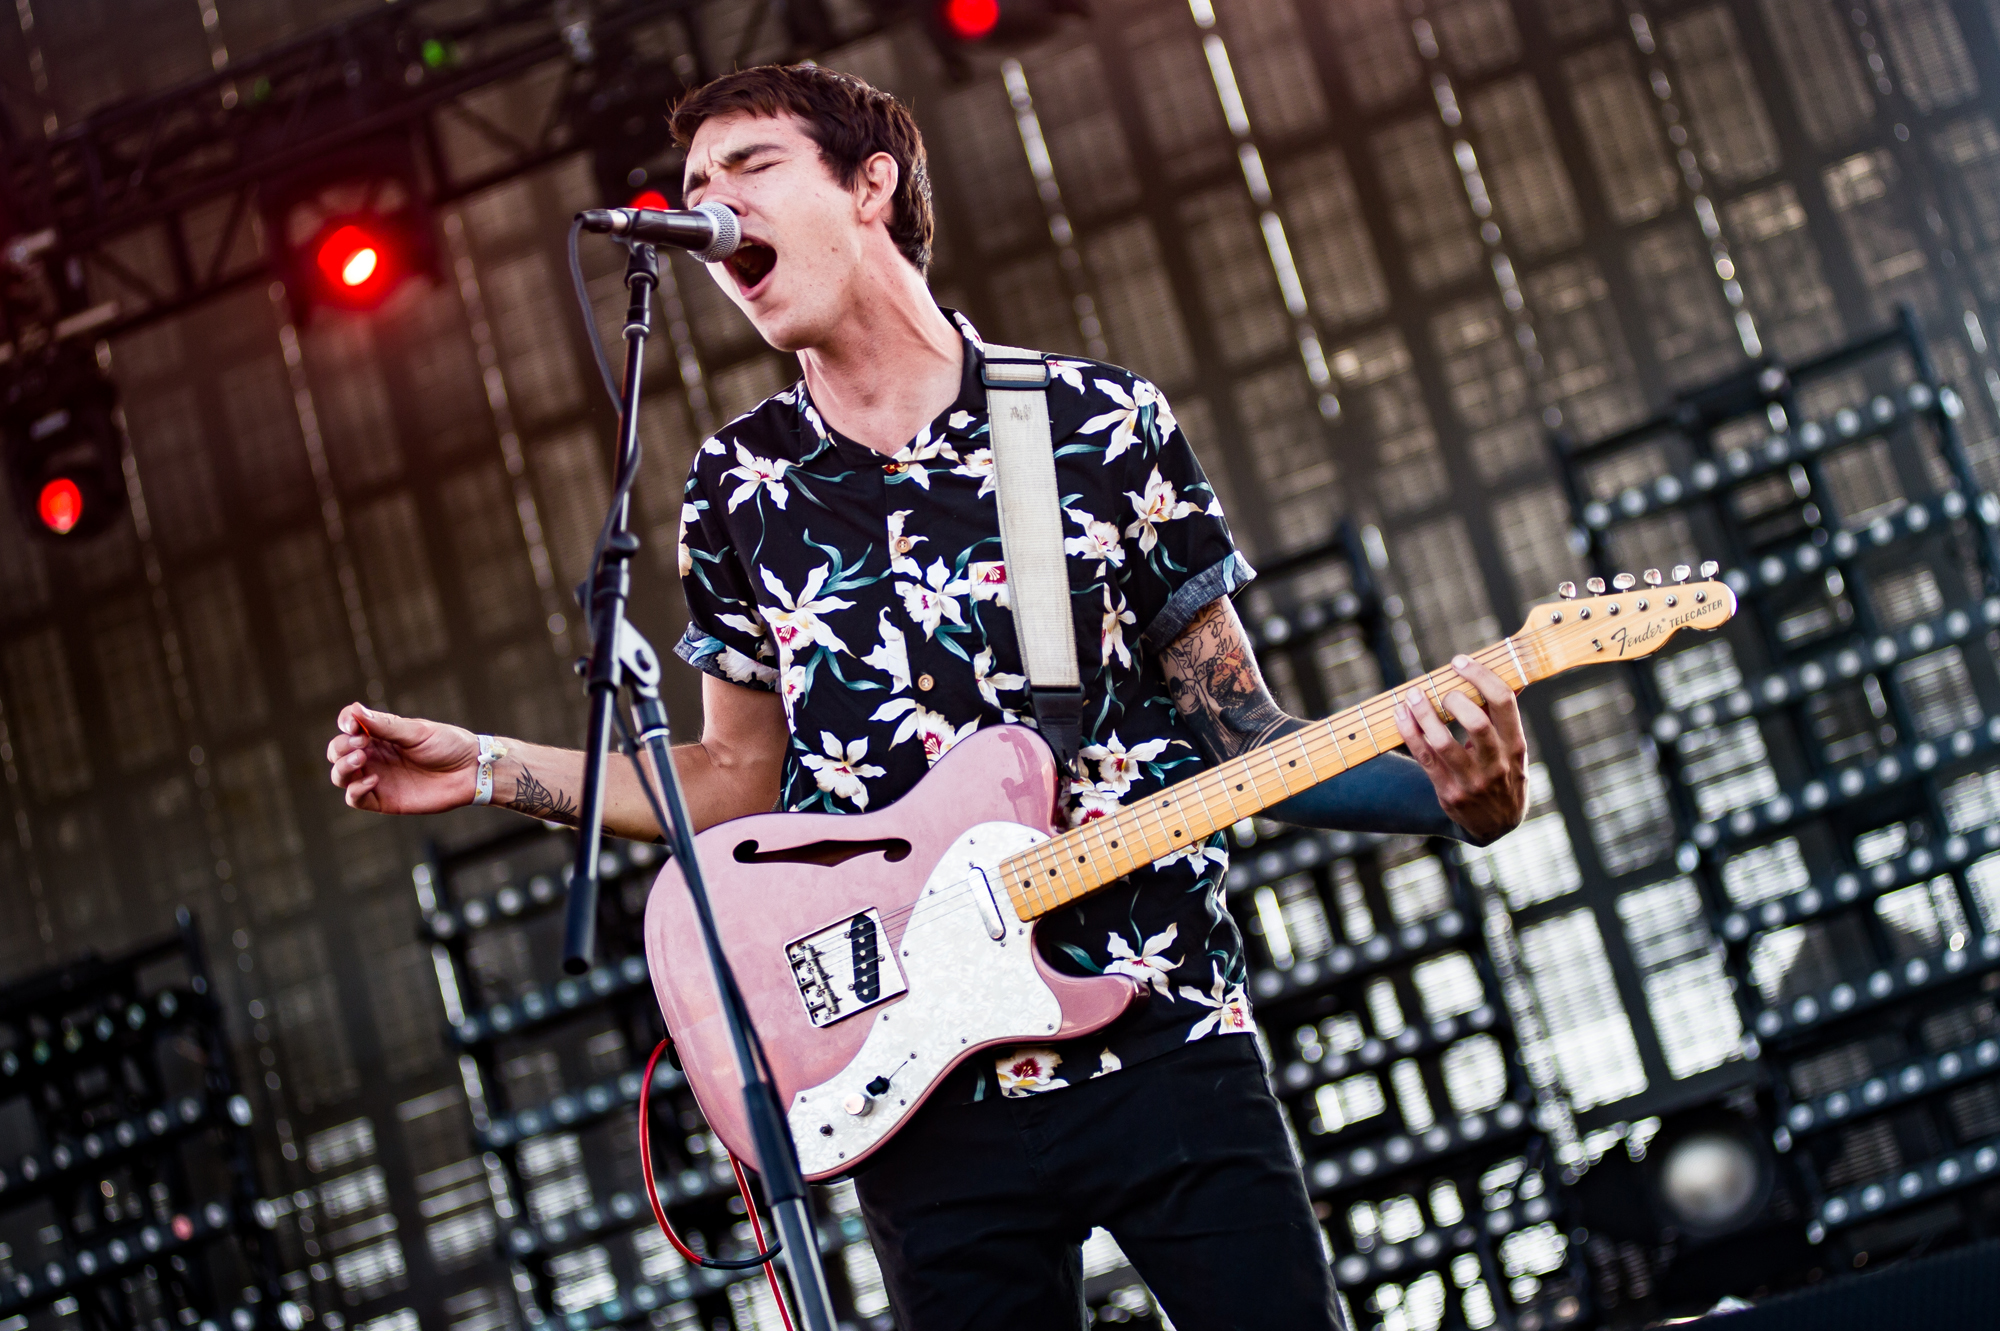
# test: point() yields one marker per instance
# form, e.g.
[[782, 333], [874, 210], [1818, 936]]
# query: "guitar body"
[[873, 972]]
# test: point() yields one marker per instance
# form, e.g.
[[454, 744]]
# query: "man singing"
[[841, 558]]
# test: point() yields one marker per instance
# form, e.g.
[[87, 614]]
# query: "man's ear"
[[875, 187]]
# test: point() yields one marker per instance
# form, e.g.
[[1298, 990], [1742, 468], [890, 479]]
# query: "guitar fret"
[[1160, 804], [1208, 814], [1306, 753], [1122, 825], [1362, 710], [1518, 670], [1237, 772], [1091, 832], [1436, 700]]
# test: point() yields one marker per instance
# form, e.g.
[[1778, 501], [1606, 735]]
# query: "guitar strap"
[[1031, 541]]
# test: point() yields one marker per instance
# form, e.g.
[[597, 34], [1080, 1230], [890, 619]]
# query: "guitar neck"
[[1080, 862]]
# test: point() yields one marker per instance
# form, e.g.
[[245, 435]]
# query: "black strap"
[[1059, 716]]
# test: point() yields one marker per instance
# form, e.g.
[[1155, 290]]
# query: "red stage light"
[[349, 256], [651, 199], [970, 20], [60, 506]]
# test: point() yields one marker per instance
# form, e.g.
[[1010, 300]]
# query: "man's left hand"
[[1481, 783]]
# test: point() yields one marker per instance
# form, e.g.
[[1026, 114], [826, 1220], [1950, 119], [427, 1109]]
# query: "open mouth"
[[751, 264]]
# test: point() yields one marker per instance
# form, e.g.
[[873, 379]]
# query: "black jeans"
[[977, 1209]]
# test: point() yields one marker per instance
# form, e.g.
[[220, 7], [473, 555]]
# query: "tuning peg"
[[1681, 572], [1566, 590], [1708, 568], [1595, 586], [1624, 582], [1652, 576]]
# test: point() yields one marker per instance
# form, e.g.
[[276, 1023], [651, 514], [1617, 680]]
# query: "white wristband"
[[491, 751]]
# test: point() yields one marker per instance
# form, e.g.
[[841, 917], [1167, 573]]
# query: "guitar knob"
[[1708, 568], [1595, 586], [1681, 572], [1652, 576], [1624, 582], [1566, 590], [858, 1104]]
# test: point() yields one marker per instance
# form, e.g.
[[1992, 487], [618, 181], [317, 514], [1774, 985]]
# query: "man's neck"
[[890, 366]]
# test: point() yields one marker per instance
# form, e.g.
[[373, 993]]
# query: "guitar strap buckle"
[[1059, 716]]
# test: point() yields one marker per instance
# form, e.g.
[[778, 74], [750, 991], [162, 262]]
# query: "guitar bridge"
[[845, 968]]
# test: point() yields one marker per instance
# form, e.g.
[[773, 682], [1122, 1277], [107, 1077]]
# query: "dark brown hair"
[[849, 120]]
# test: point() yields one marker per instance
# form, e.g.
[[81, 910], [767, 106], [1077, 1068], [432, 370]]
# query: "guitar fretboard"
[[1103, 850]]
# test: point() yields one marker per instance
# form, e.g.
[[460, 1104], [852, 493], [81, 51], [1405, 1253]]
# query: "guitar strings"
[[1316, 743]]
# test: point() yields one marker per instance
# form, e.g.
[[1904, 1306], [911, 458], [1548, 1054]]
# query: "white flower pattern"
[[1149, 965], [1158, 505], [934, 600], [922, 724], [1231, 1007], [840, 771], [891, 656], [796, 624], [752, 471]]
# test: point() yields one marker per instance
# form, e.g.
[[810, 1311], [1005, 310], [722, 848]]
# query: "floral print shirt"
[[869, 591]]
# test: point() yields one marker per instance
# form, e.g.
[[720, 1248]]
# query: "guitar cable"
[[764, 1255]]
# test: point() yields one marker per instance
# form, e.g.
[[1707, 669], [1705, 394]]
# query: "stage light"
[[351, 229], [970, 20], [349, 256], [61, 505], [969, 34], [1712, 1181], [63, 448], [650, 198]]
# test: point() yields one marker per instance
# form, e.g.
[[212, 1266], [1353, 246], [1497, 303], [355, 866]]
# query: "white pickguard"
[[965, 988]]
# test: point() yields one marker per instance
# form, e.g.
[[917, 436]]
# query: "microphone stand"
[[619, 656]]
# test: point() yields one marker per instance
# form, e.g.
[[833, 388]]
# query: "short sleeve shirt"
[[870, 592]]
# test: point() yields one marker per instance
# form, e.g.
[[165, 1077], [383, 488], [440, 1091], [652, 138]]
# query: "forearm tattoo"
[[1216, 686], [538, 801]]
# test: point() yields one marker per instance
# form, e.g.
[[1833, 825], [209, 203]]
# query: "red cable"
[[653, 1191], [757, 1231]]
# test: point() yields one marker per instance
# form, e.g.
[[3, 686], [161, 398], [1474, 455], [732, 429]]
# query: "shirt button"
[[925, 682]]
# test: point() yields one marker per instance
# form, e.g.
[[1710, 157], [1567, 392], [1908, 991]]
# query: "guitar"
[[876, 951]]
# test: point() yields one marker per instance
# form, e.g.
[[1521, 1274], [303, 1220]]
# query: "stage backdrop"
[[1372, 250]]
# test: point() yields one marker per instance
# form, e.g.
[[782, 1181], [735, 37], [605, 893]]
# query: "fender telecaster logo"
[[1658, 628]]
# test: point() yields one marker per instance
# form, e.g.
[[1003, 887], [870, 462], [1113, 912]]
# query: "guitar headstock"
[[1627, 621]]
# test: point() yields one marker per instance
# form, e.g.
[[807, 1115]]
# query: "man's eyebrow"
[[729, 161]]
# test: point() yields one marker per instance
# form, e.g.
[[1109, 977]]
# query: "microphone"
[[711, 231]]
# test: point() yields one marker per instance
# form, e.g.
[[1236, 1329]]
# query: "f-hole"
[[827, 853]]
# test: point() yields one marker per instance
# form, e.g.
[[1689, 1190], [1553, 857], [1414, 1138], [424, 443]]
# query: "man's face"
[[803, 239]]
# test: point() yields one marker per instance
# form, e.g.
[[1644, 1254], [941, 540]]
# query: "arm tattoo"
[[1216, 686], [538, 801]]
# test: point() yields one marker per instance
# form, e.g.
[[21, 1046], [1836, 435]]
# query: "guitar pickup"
[[845, 968]]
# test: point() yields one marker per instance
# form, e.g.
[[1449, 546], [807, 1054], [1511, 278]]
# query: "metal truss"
[[175, 176]]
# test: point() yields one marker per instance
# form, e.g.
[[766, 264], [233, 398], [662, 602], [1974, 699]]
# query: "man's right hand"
[[386, 763]]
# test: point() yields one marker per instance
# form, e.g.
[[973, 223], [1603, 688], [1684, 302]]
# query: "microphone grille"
[[728, 233]]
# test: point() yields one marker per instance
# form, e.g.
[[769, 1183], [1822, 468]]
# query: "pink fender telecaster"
[[877, 951]]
